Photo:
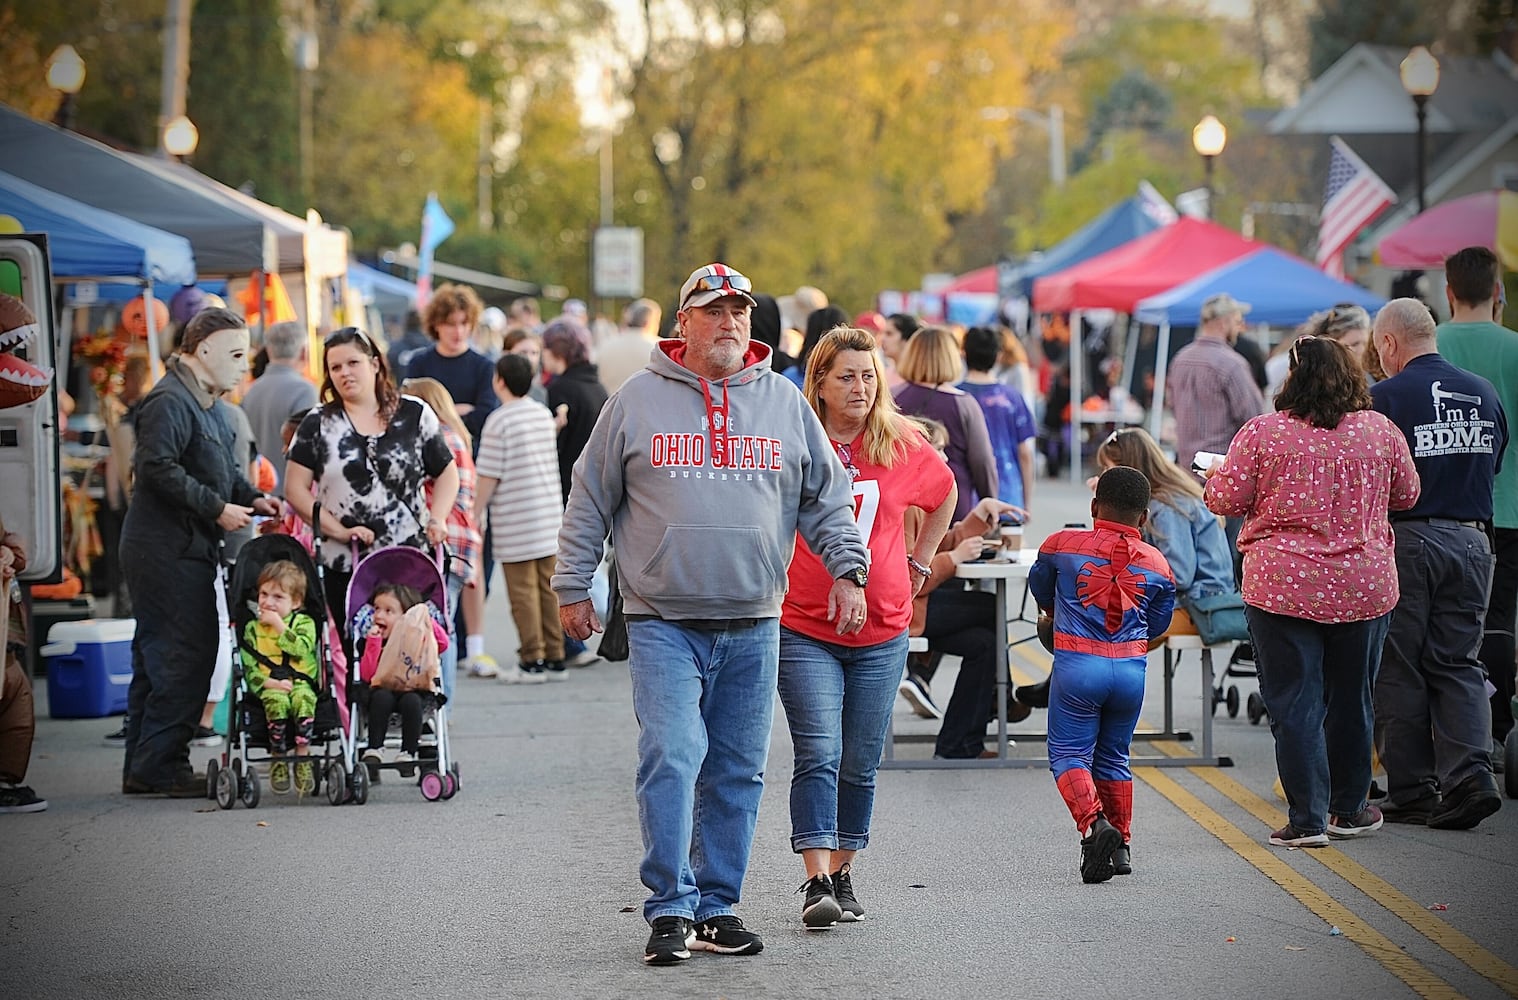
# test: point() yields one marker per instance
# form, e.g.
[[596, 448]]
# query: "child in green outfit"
[[279, 663]]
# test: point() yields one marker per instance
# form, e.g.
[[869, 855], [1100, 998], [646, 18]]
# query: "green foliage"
[[1341, 24], [239, 52]]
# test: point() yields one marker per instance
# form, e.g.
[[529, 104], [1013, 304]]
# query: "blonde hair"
[[931, 357], [431, 392], [1133, 447], [888, 435]]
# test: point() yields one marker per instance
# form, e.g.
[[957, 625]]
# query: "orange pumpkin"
[[135, 317]]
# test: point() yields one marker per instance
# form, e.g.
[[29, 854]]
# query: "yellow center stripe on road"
[[1375, 944], [1425, 922]]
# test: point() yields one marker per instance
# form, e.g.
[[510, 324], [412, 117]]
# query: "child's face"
[[273, 597], [387, 611]]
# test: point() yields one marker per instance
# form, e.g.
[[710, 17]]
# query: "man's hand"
[[266, 506], [579, 619], [234, 516], [846, 606]]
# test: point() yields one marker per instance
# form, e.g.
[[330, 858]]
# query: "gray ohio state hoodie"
[[702, 486]]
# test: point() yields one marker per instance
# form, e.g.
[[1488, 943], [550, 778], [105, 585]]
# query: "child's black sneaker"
[[554, 670], [670, 941], [1122, 861], [1096, 851], [820, 910], [726, 935], [20, 799], [843, 891]]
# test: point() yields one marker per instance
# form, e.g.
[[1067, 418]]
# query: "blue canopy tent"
[[1127, 220], [381, 287], [87, 242], [1282, 290]]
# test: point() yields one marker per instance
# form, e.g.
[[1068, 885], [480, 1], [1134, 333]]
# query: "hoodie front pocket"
[[713, 561]]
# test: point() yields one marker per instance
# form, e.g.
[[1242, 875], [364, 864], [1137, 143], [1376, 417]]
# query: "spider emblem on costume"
[[1113, 586]]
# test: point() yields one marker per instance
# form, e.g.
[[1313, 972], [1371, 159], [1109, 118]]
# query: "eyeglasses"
[[1300, 341], [720, 282]]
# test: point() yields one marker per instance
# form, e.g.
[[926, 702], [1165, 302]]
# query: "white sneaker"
[[405, 762], [583, 658], [516, 675], [373, 756], [483, 665]]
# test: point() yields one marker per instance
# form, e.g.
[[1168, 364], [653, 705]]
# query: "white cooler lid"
[[98, 630]]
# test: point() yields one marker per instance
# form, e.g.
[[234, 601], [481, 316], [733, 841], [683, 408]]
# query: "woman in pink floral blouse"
[[1314, 482]]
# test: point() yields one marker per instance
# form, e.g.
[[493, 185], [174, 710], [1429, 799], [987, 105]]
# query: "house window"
[[1505, 176]]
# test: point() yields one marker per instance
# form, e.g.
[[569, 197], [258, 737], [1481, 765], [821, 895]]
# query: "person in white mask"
[[190, 489]]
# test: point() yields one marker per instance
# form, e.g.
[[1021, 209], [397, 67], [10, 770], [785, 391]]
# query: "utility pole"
[[176, 66], [306, 61]]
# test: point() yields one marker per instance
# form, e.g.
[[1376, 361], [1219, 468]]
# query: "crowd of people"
[[783, 523]]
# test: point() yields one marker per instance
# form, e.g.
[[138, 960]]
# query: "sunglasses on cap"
[[720, 282]]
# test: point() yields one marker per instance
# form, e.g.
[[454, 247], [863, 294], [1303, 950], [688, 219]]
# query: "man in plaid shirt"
[[1211, 388]]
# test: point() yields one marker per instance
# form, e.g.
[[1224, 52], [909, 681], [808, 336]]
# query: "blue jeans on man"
[[1316, 680], [838, 703], [704, 699]]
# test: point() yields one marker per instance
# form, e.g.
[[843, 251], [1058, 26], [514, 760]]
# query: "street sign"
[[617, 262]]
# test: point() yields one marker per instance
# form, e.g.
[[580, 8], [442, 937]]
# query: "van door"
[[30, 489]]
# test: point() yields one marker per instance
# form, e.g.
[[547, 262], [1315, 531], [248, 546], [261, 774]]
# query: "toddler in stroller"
[[399, 691], [280, 668]]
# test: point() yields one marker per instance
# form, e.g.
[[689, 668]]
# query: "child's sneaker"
[[554, 670], [204, 736], [583, 658], [305, 777], [405, 762], [20, 799], [526, 673], [483, 665], [1097, 848], [1122, 861], [279, 777], [373, 756]]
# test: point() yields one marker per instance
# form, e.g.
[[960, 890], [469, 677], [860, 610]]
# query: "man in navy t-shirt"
[[1433, 722], [468, 375]]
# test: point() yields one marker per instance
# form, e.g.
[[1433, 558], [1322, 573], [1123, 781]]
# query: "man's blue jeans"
[[1316, 680], [704, 700], [838, 703]]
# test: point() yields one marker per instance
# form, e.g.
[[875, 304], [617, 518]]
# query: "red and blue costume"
[[1110, 593]]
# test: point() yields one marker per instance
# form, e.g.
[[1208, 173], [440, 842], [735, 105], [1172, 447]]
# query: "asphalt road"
[[525, 884]]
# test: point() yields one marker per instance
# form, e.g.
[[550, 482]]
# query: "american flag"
[[1353, 197]]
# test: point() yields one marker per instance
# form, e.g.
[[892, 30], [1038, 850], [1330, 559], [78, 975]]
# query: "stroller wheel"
[[1233, 701], [1256, 708], [450, 785], [337, 783], [360, 793], [226, 787], [212, 770], [432, 786], [250, 789]]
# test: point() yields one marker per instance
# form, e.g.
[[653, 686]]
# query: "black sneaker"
[[1413, 813], [1096, 851], [670, 941], [20, 799], [726, 935], [204, 736], [116, 739], [1033, 695], [1467, 804], [1122, 861], [820, 909], [843, 891], [554, 670], [914, 688]]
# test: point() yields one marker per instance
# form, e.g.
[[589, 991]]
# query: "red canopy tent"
[[982, 281], [1157, 262]]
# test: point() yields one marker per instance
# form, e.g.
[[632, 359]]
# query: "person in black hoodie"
[[575, 394], [764, 326]]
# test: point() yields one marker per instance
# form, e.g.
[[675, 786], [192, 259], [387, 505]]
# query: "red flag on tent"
[[1353, 197]]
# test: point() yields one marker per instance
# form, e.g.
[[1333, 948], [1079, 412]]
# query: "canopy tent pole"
[[1131, 355], [1161, 362], [1077, 364]]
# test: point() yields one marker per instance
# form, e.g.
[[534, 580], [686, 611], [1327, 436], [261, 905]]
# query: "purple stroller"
[[414, 568]]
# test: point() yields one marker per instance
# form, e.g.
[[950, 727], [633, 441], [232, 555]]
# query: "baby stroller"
[[1240, 666], [416, 569], [235, 775]]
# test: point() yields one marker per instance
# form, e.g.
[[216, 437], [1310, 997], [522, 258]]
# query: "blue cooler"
[[89, 667]]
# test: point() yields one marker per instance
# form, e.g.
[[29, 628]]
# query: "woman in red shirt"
[[838, 679], [1314, 482]]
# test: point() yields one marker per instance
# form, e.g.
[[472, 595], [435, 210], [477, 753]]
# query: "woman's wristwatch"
[[918, 568]]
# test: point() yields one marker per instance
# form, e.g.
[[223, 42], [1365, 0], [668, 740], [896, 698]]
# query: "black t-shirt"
[[468, 377], [1456, 431]]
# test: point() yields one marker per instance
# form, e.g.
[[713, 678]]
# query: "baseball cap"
[[712, 282], [1222, 304]]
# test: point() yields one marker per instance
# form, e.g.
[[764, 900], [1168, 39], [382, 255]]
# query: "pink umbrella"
[[1487, 219]]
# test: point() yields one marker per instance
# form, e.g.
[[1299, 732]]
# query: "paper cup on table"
[[1011, 539]]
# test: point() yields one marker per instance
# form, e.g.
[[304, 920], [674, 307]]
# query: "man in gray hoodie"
[[703, 468]]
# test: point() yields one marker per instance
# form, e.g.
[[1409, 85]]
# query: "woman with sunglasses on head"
[[1314, 483], [838, 678], [366, 453]]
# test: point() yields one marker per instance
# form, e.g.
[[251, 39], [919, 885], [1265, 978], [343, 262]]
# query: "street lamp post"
[[1208, 138], [1420, 78], [65, 74]]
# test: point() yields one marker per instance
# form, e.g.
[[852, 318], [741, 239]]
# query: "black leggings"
[[382, 702]]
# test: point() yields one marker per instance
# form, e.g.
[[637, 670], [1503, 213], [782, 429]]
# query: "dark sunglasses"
[[720, 282]]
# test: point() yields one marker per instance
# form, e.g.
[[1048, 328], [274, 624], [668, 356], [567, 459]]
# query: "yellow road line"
[[1375, 944], [1420, 919]]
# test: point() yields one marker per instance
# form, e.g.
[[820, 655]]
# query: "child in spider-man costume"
[[1111, 595]]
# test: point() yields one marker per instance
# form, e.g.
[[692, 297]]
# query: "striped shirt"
[[518, 450]]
